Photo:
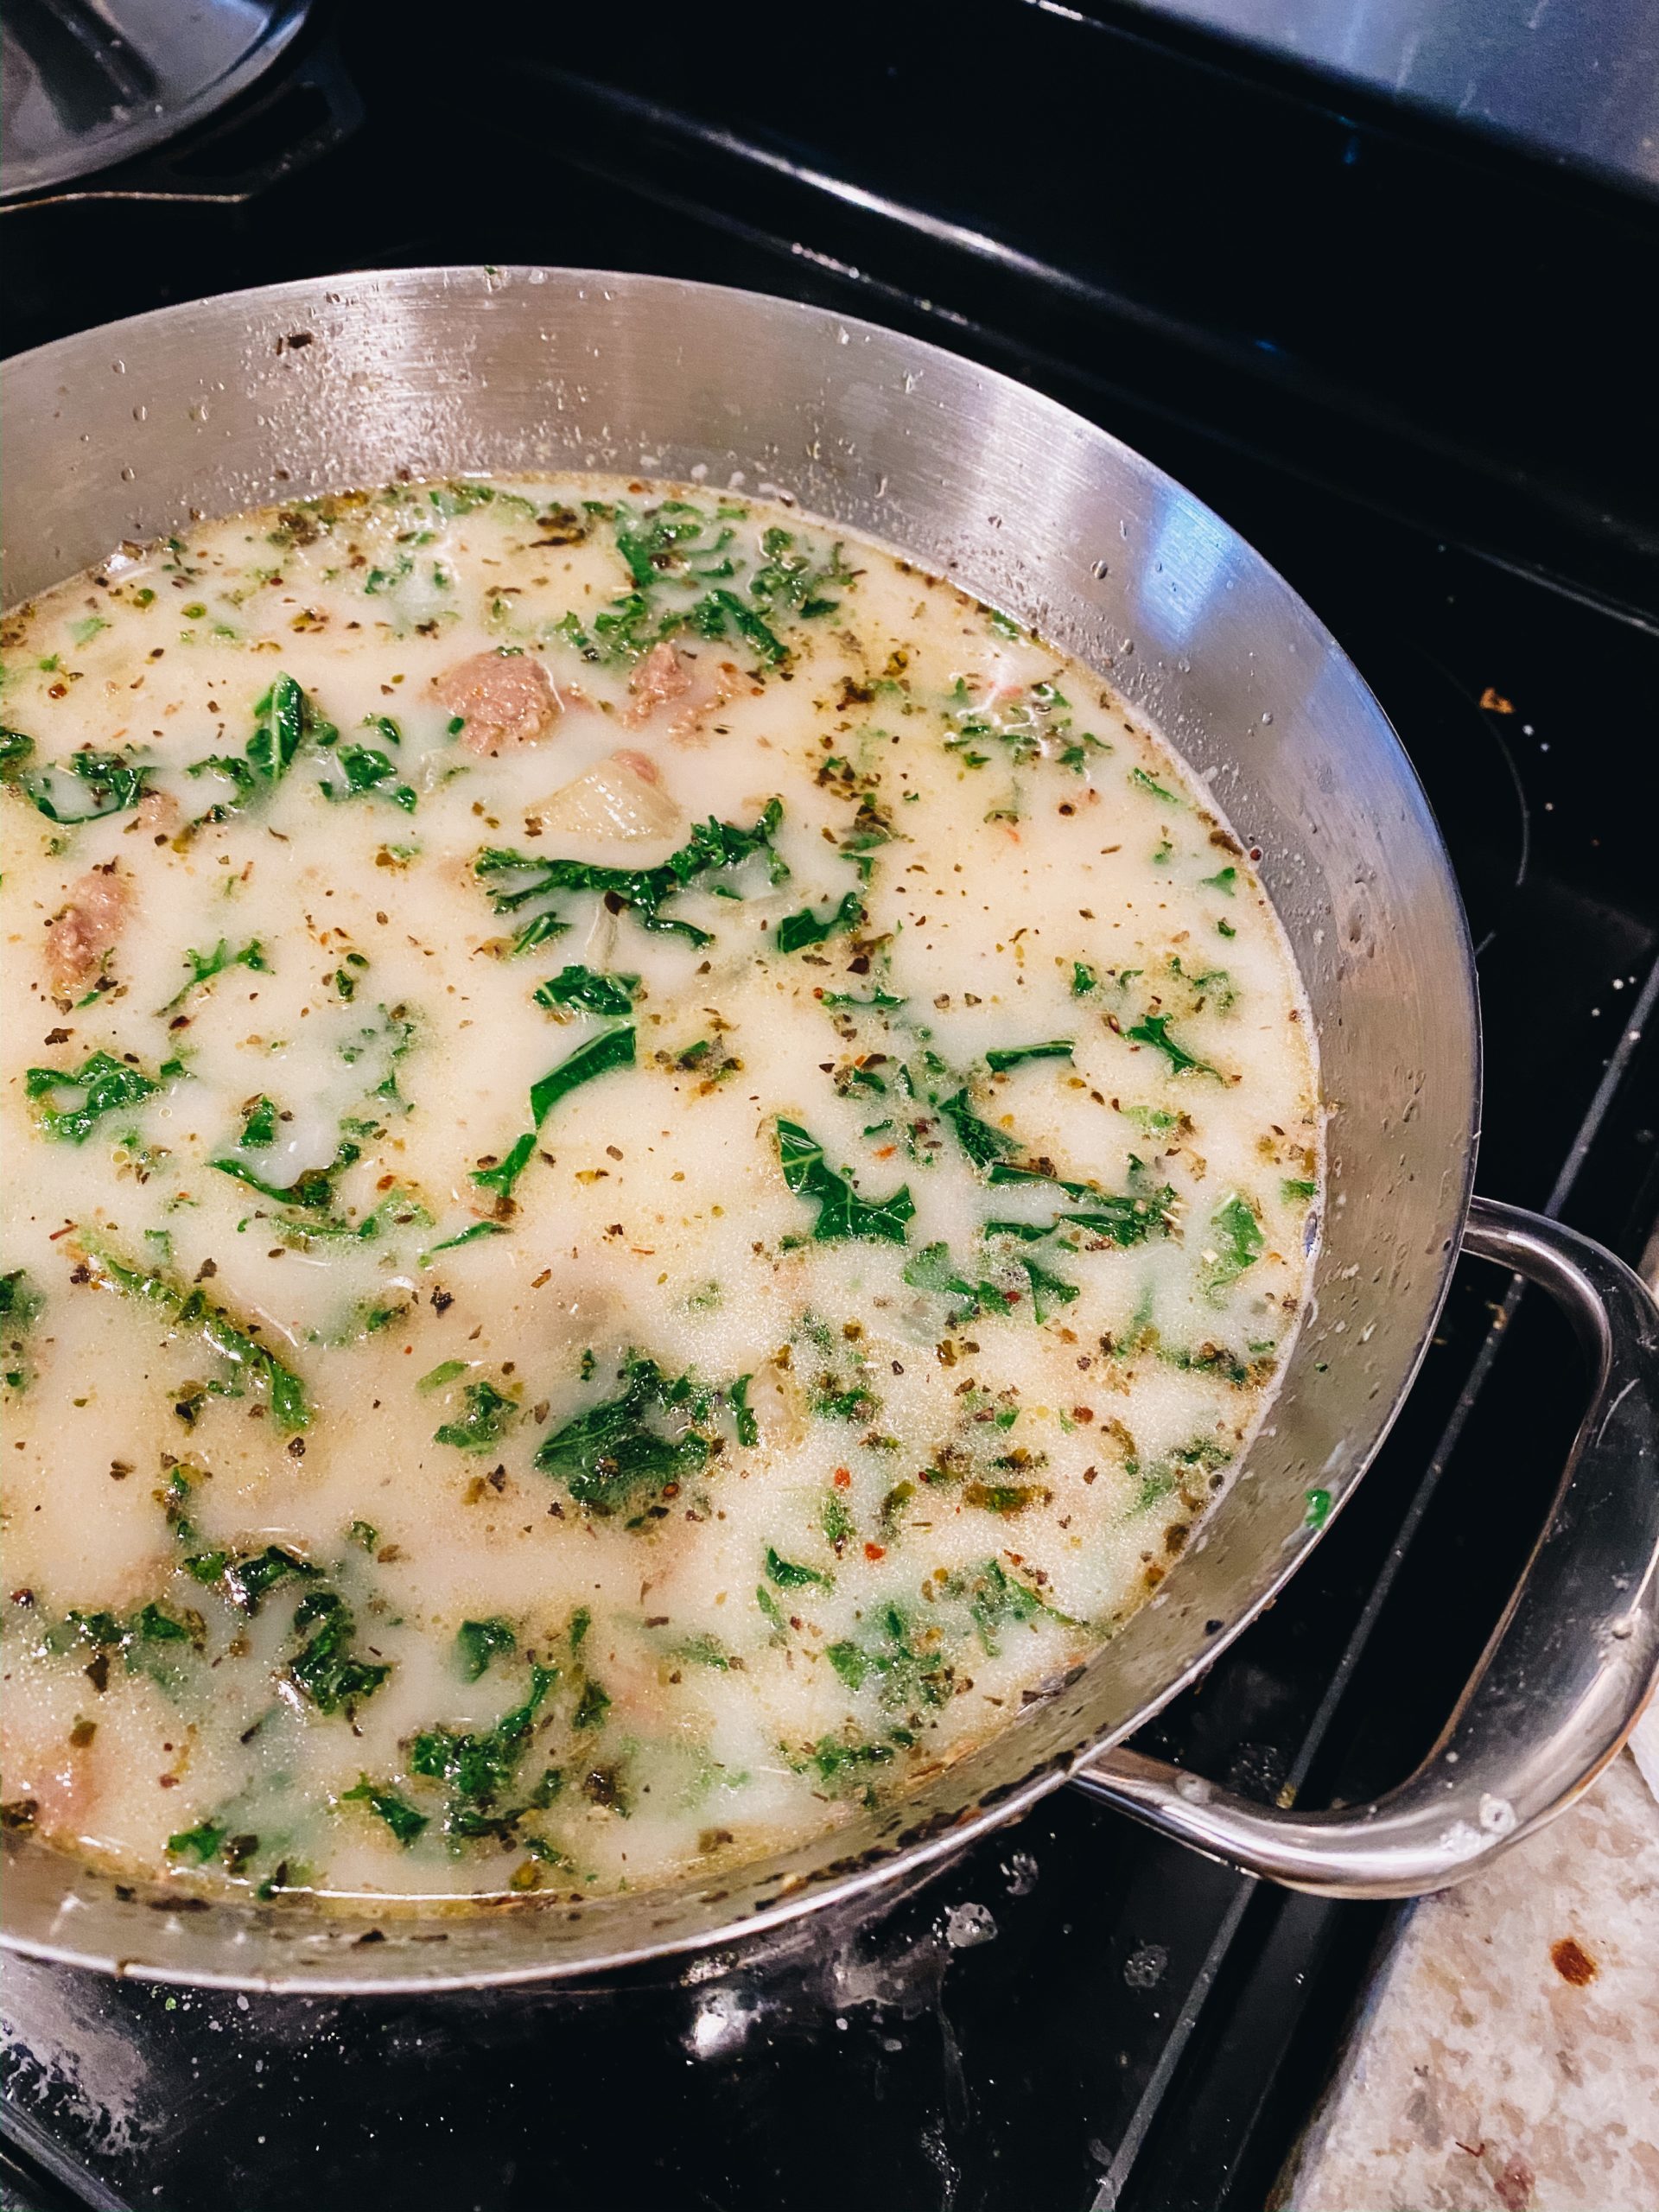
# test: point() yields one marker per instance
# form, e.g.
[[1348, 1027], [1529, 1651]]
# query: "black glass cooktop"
[[1074, 2014]]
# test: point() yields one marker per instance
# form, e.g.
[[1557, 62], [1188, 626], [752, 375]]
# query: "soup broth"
[[656, 1167]]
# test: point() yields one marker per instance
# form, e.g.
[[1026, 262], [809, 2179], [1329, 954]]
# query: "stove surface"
[[1074, 2013]]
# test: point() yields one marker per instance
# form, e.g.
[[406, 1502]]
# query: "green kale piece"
[[325, 1671], [283, 718], [933, 1269], [400, 1815], [248, 1577], [611, 1049], [479, 1767], [1153, 1030], [367, 771], [613, 995], [791, 1575], [192, 1313], [1236, 1229], [841, 1212], [712, 846], [1047, 1291], [1012, 1055], [204, 966], [470, 1235], [1143, 782], [995, 1598], [112, 782], [808, 928], [507, 1169], [17, 751], [983, 1144], [612, 1455], [488, 1416], [908, 1667], [200, 1843], [878, 999], [107, 1086], [477, 1642]]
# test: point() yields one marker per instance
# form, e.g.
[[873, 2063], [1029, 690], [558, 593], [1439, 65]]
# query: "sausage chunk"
[[661, 676], [694, 686], [78, 940], [503, 699]]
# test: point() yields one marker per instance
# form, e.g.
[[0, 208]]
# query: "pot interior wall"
[[131, 430]]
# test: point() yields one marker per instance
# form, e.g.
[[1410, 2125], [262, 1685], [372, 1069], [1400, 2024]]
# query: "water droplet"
[[1266, 720], [128, 475], [1101, 568]]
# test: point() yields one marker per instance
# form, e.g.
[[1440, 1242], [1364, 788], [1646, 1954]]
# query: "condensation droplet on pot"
[[141, 414], [128, 474], [1266, 721], [1144, 1968], [1101, 570], [1497, 1816]]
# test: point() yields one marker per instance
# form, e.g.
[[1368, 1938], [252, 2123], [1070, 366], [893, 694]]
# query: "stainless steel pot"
[[131, 430]]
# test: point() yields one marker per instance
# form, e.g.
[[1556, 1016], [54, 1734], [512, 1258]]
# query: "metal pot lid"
[[86, 84]]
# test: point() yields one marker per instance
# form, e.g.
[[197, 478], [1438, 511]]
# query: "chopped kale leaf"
[[790, 1574], [613, 995], [612, 1048], [809, 928], [106, 1086], [366, 769], [477, 1642], [983, 1144], [192, 1313], [111, 783], [841, 1212], [470, 1235], [1153, 1030], [1058, 1048], [713, 846], [488, 1416], [204, 966], [613, 1456], [507, 1169], [325, 1671], [400, 1815], [1239, 1244]]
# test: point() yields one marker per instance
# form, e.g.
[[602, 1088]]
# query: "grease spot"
[[1572, 1962]]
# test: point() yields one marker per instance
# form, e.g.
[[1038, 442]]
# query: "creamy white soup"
[[655, 1167]]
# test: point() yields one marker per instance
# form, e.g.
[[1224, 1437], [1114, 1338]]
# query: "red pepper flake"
[[843, 1478], [875, 1551]]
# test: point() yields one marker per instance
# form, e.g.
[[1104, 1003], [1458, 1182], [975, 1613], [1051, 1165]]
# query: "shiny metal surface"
[[1566, 1674], [129, 430], [1575, 80], [84, 83]]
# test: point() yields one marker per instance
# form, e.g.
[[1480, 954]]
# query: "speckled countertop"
[[1507, 2055]]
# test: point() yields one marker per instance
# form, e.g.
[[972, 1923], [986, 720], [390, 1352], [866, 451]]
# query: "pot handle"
[[1565, 1675]]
